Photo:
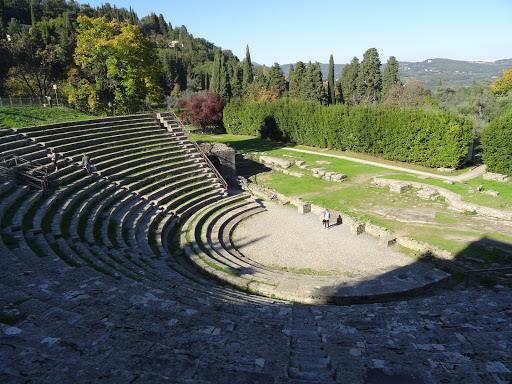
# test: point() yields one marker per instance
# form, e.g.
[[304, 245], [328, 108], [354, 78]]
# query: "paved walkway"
[[471, 174]]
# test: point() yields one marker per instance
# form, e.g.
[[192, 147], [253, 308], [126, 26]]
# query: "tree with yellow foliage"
[[503, 85], [116, 67]]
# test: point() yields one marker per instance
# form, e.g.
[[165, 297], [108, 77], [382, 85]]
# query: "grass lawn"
[[18, 117]]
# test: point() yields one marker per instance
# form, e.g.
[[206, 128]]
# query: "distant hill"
[[452, 72]]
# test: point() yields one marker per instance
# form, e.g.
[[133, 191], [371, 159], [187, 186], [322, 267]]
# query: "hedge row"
[[433, 139], [497, 145]]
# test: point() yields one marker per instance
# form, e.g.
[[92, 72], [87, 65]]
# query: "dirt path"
[[471, 174]]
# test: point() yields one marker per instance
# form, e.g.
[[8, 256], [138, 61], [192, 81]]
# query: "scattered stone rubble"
[[282, 165], [495, 177], [453, 199]]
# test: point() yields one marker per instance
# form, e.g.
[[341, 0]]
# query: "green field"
[[19, 117]]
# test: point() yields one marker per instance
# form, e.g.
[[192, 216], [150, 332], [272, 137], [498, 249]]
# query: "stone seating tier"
[[84, 124]]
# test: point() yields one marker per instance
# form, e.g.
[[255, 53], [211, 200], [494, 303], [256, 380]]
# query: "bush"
[[497, 146], [433, 139], [203, 110]]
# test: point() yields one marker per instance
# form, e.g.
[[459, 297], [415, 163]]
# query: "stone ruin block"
[[300, 163], [338, 177], [318, 172], [377, 231], [304, 208], [495, 177], [492, 193], [323, 162], [387, 241], [428, 194], [448, 170], [399, 188], [357, 228], [415, 245], [276, 161]]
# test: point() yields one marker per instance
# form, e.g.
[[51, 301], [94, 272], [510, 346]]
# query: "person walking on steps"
[[53, 157], [327, 217], [86, 163]]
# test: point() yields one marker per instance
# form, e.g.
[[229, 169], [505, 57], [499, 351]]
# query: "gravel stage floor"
[[282, 237]]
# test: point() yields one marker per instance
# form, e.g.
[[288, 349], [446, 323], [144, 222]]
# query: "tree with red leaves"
[[203, 110]]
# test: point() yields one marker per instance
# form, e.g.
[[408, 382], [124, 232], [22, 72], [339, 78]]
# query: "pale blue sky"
[[288, 31]]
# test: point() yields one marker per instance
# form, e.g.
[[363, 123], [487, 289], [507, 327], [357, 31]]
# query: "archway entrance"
[[216, 162]]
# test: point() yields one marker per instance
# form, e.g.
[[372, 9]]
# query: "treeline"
[[38, 40], [432, 139]]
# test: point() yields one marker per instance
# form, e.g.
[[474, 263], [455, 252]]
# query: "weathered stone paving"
[[77, 325]]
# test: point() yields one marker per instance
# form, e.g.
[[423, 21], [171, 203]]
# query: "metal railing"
[[206, 159], [23, 171], [485, 270]]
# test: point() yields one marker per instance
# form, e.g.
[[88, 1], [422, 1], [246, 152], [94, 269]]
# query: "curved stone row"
[[206, 238], [95, 221]]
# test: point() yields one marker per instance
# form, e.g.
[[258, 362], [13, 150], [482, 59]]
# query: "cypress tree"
[[290, 75], [235, 76], [369, 80], [215, 79], [162, 25], [277, 79], [224, 90], [339, 97], [248, 75], [297, 81], [390, 77], [262, 76], [313, 86], [331, 99], [32, 14], [348, 81], [2, 27]]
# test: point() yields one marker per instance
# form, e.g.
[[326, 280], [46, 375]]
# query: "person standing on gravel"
[[327, 217]]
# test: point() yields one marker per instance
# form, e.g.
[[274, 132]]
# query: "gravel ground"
[[282, 237]]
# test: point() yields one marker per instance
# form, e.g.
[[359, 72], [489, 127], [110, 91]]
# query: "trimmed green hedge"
[[433, 139], [497, 144]]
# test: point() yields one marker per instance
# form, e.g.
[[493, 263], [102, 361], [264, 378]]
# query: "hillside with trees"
[[107, 59], [453, 73]]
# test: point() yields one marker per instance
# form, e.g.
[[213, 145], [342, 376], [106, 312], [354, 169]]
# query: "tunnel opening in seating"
[[216, 162]]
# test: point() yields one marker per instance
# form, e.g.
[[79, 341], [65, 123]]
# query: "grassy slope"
[[18, 117]]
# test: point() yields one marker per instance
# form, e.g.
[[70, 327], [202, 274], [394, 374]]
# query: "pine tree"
[[348, 81], [248, 72], [390, 77], [369, 80], [331, 99]]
